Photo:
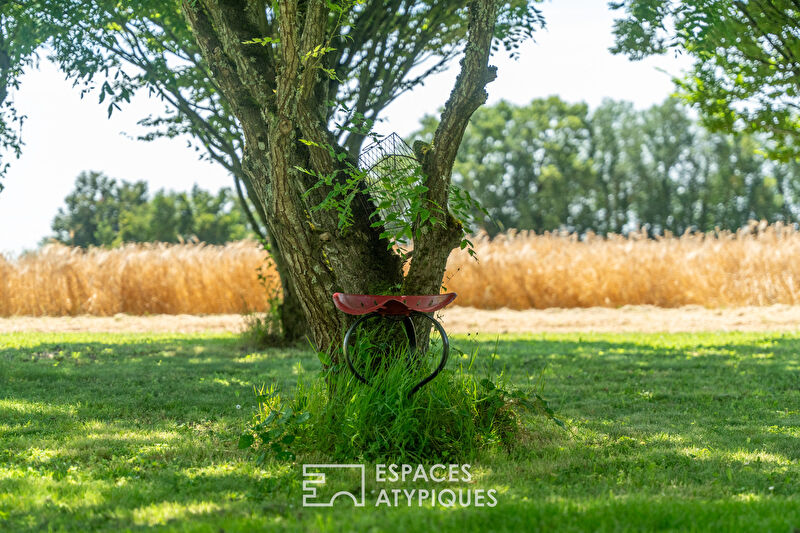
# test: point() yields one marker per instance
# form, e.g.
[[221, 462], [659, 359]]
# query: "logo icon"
[[315, 477]]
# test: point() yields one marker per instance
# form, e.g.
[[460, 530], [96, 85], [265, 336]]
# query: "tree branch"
[[468, 94], [432, 247]]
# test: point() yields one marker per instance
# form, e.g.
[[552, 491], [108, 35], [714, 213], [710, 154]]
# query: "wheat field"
[[758, 265], [136, 279]]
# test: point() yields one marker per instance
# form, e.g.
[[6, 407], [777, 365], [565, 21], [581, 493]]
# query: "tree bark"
[[279, 97], [433, 247], [293, 323]]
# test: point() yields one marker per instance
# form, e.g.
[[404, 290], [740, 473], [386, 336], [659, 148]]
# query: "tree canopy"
[[746, 60], [114, 49]]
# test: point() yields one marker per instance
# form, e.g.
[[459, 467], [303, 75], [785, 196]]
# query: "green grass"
[[682, 432]]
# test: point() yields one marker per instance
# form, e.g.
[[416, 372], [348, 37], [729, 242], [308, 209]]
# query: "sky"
[[65, 135]]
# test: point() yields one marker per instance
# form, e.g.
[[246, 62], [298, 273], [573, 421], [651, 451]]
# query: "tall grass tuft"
[[451, 419]]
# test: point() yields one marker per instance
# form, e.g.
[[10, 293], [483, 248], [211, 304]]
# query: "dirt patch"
[[124, 323], [466, 320], [641, 318]]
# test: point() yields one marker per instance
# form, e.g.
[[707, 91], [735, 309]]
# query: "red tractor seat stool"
[[395, 308]]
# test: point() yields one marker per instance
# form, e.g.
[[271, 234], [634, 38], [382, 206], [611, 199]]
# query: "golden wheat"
[[757, 265], [135, 279], [520, 270]]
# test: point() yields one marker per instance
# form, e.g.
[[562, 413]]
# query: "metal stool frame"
[[412, 341]]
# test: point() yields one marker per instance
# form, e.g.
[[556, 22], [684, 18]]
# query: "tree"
[[106, 212], [123, 47], [280, 90], [215, 218], [746, 71], [615, 151], [666, 167], [94, 208], [688, 178], [130, 46]]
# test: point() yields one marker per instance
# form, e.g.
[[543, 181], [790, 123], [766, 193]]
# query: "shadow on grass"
[[145, 376], [109, 433], [713, 415], [92, 433]]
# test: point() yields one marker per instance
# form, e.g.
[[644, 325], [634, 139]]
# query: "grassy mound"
[[450, 419]]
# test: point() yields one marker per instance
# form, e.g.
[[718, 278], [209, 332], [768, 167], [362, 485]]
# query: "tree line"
[[548, 165], [102, 211], [553, 165]]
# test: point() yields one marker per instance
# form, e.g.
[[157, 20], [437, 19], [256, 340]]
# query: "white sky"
[[65, 135]]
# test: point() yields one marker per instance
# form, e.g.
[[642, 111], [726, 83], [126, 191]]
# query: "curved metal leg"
[[412, 342], [347, 342], [411, 333], [445, 354]]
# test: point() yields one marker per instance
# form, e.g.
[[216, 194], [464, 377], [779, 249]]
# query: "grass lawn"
[[682, 432]]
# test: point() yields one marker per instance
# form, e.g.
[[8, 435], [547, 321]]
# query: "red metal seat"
[[389, 305], [395, 308]]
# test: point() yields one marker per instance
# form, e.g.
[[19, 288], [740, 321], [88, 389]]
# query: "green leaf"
[[245, 441], [263, 41], [284, 455], [324, 358]]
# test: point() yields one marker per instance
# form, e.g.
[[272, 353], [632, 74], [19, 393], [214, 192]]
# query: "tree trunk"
[[293, 323], [279, 96]]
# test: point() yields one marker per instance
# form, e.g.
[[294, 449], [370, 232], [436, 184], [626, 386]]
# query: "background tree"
[[525, 163], [615, 151], [93, 210], [106, 212], [746, 70]]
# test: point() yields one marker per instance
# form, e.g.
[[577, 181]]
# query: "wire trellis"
[[389, 167]]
